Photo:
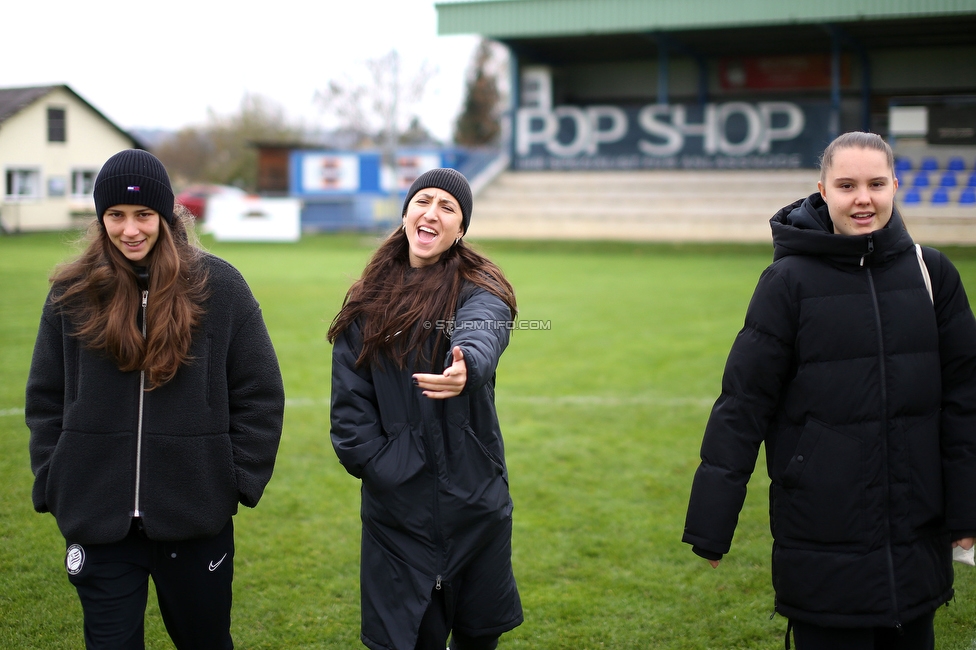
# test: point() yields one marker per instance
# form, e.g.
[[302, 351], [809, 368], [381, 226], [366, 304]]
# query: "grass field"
[[602, 414]]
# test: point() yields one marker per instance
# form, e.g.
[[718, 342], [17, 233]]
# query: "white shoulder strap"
[[925, 272]]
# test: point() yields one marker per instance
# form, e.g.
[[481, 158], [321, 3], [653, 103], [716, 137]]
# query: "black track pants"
[[915, 635], [193, 584]]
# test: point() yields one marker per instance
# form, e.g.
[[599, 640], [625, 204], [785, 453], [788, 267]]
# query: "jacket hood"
[[804, 228]]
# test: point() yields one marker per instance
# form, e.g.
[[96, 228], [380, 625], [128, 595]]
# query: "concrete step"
[[777, 183], [669, 205], [626, 205]]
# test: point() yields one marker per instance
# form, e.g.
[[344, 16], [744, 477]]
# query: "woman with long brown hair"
[[416, 345], [155, 406]]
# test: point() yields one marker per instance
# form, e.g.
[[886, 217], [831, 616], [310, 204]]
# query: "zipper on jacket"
[[142, 396], [426, 424], [884, 444], [870, 250]]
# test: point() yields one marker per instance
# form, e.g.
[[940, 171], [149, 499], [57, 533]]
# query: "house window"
[[23, 184], [56, 185], [82, 182], [56, 125]]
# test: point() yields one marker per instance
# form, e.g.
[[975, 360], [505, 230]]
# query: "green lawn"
[[602, 410]]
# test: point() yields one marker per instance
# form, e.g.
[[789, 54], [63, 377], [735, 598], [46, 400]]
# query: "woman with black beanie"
[[416, 345], [155, 407]]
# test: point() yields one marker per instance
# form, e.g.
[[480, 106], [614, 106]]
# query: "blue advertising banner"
[[730, 135], [338, 173]]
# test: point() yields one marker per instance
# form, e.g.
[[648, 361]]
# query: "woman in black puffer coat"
[[862, 386], [413, 416]]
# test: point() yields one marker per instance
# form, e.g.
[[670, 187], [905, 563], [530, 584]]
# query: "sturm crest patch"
[[74, 559]]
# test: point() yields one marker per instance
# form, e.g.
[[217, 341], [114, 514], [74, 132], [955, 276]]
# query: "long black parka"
[[434, 481], [864, 394]]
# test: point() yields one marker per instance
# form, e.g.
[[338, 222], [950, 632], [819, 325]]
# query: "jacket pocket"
[[821, 496], [401, 461], [495, 462], [89, 486], [478, 480], [925, 459], [189, 484], [207, 358]]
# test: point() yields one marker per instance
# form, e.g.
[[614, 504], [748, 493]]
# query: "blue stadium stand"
[[956, 164]]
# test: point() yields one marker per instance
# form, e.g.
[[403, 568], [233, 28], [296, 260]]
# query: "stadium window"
[[23, 184], [56, 125], [82, 182]]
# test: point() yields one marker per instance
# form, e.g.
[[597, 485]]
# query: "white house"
[[52, 144]]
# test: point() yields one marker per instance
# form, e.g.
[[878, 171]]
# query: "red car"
[[194, 197]]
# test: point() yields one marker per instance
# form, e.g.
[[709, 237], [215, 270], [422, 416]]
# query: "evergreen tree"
[[478, 124]]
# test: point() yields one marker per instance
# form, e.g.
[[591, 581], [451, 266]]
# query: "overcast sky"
[[163, 64]]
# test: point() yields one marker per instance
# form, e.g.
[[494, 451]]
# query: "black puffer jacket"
[[209, 436], [434, 482], [865, 397]]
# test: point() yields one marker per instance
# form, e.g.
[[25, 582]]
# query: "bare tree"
[[381, 108], [222, 151]]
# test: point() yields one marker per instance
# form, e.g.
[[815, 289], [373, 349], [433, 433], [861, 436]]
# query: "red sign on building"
[[780, 72]]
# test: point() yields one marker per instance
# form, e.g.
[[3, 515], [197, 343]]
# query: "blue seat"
[[921, 179], [956, 164], [940, 196], [912, 197], [929, 164], [902, 165], [968, 196], [972, 180], [948, 180]]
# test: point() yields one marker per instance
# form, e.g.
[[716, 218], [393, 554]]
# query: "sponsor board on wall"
[[725, 135], [253, 219], [330, 172], [345, 173]]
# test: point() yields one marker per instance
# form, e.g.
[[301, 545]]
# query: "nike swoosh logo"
[[213, 566]]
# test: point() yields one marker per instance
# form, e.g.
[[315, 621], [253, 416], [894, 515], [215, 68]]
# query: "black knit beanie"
[[134, 177], [449, 180]]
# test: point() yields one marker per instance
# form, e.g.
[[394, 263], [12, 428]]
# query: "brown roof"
[[14, 100]]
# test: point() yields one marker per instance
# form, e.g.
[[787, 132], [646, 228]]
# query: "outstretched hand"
[[450, 383]]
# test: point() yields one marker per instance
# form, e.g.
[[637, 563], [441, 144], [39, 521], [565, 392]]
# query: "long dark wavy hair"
[[392, 300], [99, 293]]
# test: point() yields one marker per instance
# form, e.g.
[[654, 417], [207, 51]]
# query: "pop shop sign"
[[733, 134]]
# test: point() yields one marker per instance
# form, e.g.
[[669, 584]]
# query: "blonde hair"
[[855, 140]]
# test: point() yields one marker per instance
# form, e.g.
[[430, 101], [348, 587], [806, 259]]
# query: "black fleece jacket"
[[195, 447], [864, 394]]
